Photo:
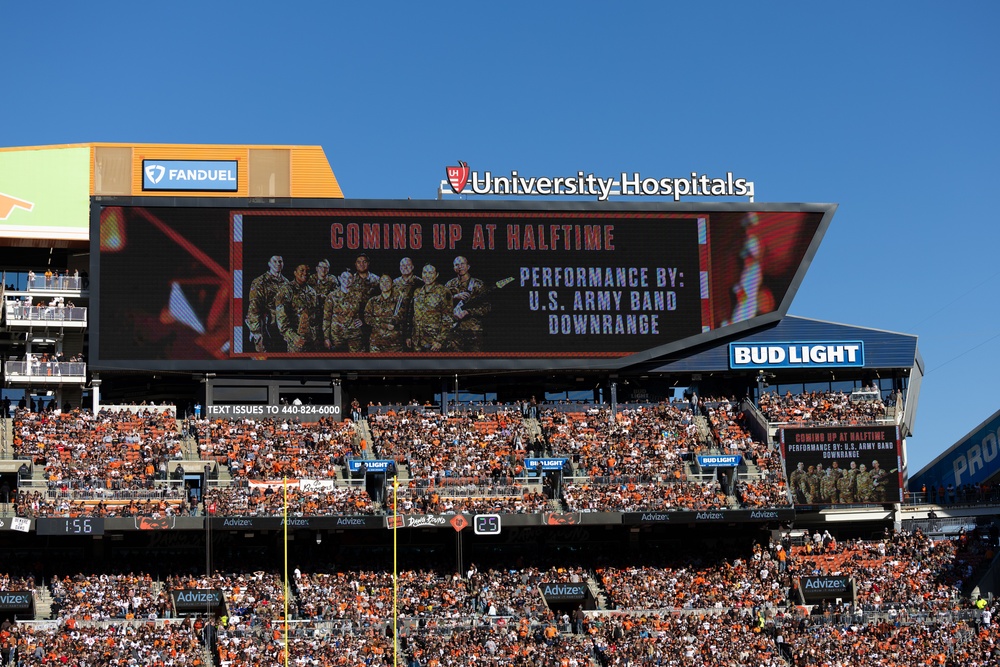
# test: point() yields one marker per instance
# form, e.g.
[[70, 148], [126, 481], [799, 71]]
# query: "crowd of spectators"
[[904, 568], [272, 449], [108, 596], [816, 408], [471, 500], [112, 450], [77, 645], [271, 501], [632, 496]]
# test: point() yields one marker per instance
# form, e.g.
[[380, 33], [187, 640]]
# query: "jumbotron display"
[[411, 282]]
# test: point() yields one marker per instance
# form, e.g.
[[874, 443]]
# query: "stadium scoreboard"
[[467, 285]]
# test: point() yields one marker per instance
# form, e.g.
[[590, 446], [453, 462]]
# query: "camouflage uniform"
[[402, 292], [340, 313], [262, 313], [297, 317], [379, 314], [468, 333], [812, 483], [864, 485], [323, 287], [880, 480], [431, 317], [845, 486], [828, 487], [795, 480]]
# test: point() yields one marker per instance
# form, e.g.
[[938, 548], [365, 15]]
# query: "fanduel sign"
[[190, 175], [797, 355]]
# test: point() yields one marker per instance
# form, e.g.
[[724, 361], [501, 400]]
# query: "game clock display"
[[486, 524], [77, 526]]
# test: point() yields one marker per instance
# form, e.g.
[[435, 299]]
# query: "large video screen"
[[411, 283], [843, 465]]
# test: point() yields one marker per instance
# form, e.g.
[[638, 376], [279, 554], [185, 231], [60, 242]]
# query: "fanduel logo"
[[155, 172]]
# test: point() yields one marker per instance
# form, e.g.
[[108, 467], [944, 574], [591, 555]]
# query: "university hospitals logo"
[[458, 177], [155, 172]]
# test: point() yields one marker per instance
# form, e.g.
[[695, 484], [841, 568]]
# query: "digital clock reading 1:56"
[[77, 526]]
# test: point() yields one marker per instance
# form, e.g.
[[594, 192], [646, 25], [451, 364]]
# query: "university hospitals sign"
[[464, 181]]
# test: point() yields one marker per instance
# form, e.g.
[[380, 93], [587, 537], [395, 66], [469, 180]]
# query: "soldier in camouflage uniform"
[[382, 315], [863, 482], [403, 288], [431, 313], [342, 325], [828, 487], [797, 482], [845, 485], [469, 311], [323, 283], [880, 480], [812, 484], [262, 314], [297, 313]]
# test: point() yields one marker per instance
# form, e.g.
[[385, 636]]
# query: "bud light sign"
[[838, 354]]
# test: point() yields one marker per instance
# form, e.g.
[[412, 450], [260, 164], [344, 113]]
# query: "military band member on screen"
[[403, 288], [469, 309], [845, 485], [828, 487], [296, 312], [262, 313], [796, 480], [342, 325], [880, 482], [364, 280], [382, 315], [322, 281], [863, 484], [432, 313]]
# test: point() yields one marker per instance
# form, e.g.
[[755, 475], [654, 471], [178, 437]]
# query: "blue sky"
[[889, 109]]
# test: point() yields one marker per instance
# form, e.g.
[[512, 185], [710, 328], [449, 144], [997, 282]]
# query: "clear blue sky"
[[889, 109]]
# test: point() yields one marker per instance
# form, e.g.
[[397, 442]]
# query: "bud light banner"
[[814, 589], [188, 600], [838, 354], [371, 465], [724, 461], [532, 465]]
